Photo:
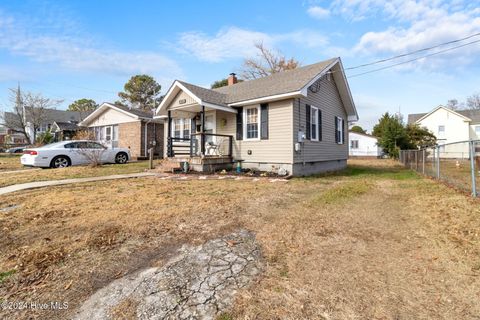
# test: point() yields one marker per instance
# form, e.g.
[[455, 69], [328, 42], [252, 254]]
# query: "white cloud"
[[51, 44], [234, 42], [318, 12], [415, 25]]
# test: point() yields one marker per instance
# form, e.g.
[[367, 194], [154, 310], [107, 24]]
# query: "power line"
[[415, 59], [413, 52]]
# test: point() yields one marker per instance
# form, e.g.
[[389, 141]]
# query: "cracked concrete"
[[199, 283]]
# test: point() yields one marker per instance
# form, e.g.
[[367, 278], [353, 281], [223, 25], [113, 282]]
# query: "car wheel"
[[121, 158], [60, 162]]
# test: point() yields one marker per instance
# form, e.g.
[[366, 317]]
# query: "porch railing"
[[201, 144]]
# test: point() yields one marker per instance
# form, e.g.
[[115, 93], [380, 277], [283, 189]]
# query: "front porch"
[[192, 137]]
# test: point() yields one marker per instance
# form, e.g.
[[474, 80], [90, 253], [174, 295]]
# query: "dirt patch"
[[198, 283]]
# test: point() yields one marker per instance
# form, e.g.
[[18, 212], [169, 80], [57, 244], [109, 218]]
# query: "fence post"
[[423, 161], [472, 167], [438, 161]]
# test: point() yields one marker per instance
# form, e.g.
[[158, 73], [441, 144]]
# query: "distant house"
[[293, 121], [46, 117], [64, 130], [450, 126], [363, 145], [119, 126]]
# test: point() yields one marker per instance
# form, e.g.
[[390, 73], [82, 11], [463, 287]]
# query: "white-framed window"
[[339, 132], [181, 128], [354, 144], [252, 123], [477, 131], [441, 130], [314, 123]]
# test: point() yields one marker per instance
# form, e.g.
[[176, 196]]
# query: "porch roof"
[[202, 97]]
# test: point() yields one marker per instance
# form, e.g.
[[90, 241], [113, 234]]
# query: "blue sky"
[[88, 49]]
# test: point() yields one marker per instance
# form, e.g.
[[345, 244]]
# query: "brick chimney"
[[232, 79]]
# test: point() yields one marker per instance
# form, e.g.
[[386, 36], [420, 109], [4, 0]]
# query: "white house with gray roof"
[[450, 126], [294, 121]]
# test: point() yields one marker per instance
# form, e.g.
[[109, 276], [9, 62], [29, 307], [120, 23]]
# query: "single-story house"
[[64, 130], [37, 121], [363, 145], [450, 127], [120, 126], [290, 122]]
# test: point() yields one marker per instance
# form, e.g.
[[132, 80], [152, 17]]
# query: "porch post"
[[169, 135], [202, 135]]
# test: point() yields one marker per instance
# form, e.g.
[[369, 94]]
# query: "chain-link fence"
[[456, 163]]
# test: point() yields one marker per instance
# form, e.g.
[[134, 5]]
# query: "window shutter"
[[319, 125], [336, 130], [264, 121], [307, 124], [343, 131], [240, 123]]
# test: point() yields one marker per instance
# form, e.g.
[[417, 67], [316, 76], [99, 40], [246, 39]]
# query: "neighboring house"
[[47, 116], [363, 145], [53, 115], [118, 126], [64, 130], [293, 121], [450, 126]]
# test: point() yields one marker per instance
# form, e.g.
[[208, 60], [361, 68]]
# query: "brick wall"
[[132, 135], [154, 133], [129, 136]]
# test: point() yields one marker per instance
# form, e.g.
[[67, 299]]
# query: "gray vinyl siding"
[[278, 148], [327, 99]]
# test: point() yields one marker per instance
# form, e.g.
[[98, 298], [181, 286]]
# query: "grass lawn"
[[10, 162], [375, 241], [71, 172]]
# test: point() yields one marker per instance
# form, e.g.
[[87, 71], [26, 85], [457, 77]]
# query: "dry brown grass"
[[71, 172], [400, 247], [10, 162]]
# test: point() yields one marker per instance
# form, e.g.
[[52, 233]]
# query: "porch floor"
[[206, 163]]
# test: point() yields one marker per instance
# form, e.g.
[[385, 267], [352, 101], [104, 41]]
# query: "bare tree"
[[266, 63], [92, 151], [29, 110], [473, 102], [453, 104]]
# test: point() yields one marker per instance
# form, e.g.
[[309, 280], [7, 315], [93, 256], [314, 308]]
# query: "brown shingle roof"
[[277, 83]]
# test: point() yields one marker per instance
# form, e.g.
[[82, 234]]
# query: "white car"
[[71, 153]]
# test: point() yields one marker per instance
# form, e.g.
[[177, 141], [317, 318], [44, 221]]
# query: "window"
[[354, 144], [108, 133], [181, 128], [339, 130], [187, 123], [477, 131], [252, 121], [314, 123], [441, 130]]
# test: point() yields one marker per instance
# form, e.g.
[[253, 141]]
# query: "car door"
[[75, 153], [102, 152]]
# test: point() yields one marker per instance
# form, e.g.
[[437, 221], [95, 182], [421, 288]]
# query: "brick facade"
[[132, 135]]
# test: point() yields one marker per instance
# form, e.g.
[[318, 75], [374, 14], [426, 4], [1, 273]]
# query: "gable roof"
[[468, 115], [134, 113], [68, 126], [363, 134], [287, 84], [275, 84], [206, 95]]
